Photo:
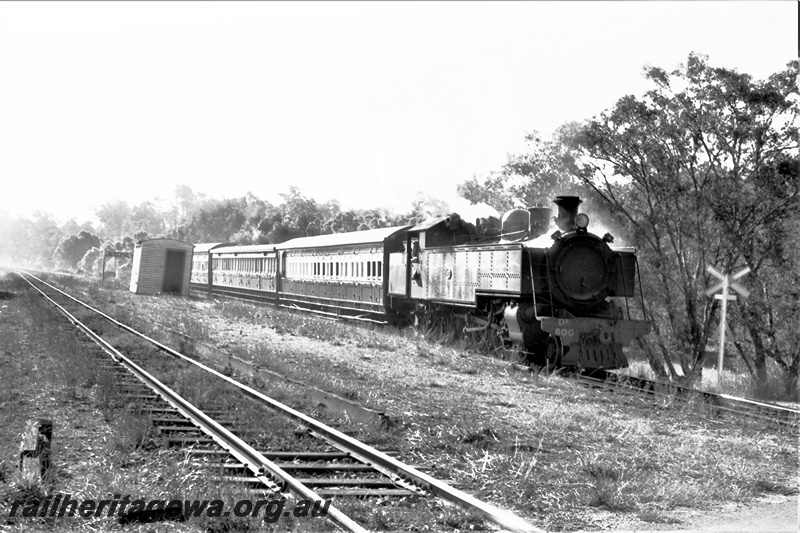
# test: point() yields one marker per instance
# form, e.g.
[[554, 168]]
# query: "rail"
[[259, 465], [722, 402], [385, 464]]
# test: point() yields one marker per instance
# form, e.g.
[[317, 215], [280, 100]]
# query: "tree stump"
[[34, 452]]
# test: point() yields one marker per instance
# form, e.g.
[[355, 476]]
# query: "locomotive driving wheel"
[[488, 335], [553, 353]]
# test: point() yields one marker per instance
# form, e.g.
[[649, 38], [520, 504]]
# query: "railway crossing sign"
[[726, 282]]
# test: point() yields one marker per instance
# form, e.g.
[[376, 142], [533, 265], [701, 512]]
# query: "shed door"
[[173, 271]]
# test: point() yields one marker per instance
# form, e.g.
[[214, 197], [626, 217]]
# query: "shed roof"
[[165, 240], [343, 239]]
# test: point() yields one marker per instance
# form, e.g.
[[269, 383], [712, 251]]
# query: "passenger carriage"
[[246, 270], [341, 273], [200, 259]]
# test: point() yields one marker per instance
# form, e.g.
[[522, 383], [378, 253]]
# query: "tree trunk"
[[759, 364]]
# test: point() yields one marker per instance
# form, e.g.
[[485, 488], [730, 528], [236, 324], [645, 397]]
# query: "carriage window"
[[380, 268]]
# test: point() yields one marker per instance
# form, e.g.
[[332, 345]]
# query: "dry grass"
[[735, 381], [540, 445], [121, 460], [646, 460]]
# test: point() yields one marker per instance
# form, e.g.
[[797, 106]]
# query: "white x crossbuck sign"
[[725, 282]]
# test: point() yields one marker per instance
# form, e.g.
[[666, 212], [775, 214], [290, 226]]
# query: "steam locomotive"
[[559, 299]]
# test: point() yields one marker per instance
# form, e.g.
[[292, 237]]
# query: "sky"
[[368, 103]]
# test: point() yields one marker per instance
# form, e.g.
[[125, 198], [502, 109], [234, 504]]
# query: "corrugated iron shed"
[[161, 265]]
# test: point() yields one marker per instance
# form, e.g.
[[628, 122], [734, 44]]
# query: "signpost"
[[114, 254], [726, 282]]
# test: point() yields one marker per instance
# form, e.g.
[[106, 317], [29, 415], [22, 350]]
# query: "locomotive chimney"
[[567, 211]]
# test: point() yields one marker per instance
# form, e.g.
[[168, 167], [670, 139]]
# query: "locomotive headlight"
[[582, 220]]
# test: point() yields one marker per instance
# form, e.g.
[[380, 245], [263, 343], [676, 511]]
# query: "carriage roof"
[[205, 247], [369, 236]]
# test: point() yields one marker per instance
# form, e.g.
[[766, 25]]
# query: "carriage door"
[[280, 273], [173, 271]]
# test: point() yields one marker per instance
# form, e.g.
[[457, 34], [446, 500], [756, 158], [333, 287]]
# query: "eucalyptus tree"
[[700, 167], [72, 248]]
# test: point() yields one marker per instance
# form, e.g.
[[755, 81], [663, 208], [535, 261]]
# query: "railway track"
[[720, 404], [308, 305], [723, 404], [337, 465]]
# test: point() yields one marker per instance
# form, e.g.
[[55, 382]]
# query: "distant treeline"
[[40, 242]]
